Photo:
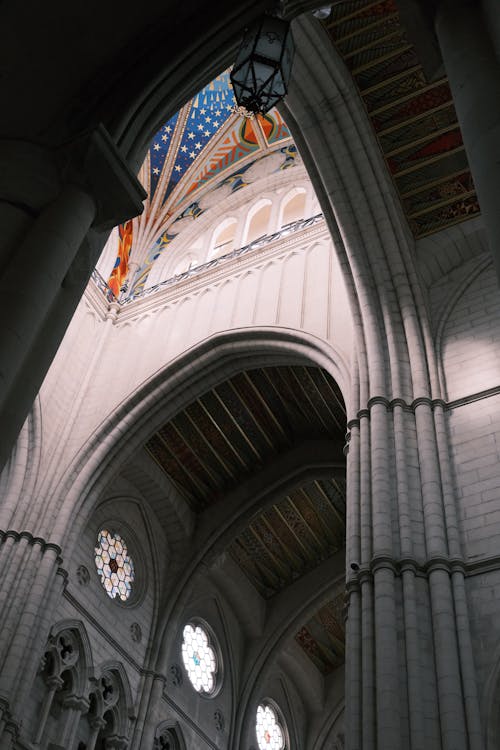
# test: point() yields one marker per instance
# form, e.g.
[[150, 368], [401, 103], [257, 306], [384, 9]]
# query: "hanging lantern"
[[261, 72]]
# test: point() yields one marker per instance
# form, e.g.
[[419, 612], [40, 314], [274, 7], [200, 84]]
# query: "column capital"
[[116, 742], [32, 176], [94, 162], [77, 702], [54, 682]]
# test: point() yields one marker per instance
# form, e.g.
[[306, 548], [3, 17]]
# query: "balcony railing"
[[256, 244]]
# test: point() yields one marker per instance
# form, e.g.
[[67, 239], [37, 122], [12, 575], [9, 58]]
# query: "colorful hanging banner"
[[120, 270]]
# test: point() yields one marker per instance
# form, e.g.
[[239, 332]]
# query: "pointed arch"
[[86, 667]]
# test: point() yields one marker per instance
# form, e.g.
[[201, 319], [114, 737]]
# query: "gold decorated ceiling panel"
[[293, 536], [413, 117]]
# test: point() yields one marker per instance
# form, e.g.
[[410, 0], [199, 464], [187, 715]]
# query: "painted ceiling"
[[207, 151], [237, 428], [413, 117], [201, 155], [323, 636]]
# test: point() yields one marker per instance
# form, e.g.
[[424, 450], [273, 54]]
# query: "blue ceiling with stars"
[[202, 119]]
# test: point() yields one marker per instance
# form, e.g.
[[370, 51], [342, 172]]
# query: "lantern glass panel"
[[262, 69], [271, 39]]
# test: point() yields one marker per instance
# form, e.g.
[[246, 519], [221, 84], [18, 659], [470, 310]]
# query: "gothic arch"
[[167, 728], [291, 611], [86, 668], [287, 199], [469, 276], [258, 207], [112, 676], [167, 392], [365, 218], [216, 531]]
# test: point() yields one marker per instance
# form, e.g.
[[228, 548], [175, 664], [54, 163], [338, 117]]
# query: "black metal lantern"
[[262, 69]]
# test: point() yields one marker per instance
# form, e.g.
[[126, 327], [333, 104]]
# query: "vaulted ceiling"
[[204, 153], [237, 429], [240, 426]]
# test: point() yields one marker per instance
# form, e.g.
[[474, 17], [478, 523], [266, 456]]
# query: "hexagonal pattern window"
[[270, 733], [114, 565], [199, 658]]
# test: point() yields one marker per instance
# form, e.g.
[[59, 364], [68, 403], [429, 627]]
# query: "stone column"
[[75, 706], [45, 258], [96, 724], [473, 71], [54, 684]]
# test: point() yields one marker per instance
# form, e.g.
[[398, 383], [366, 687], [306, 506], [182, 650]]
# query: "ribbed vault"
[[233, 431]]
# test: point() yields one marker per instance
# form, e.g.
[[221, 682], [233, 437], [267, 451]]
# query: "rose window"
[[114, 565], [270, 733], [199, 658]]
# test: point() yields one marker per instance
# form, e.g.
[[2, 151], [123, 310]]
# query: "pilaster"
[[45, 258]]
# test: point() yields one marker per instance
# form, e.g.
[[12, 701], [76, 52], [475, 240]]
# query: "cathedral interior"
[[250, 379]]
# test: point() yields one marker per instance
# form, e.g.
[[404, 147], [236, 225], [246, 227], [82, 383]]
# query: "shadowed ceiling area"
[[237, 429]]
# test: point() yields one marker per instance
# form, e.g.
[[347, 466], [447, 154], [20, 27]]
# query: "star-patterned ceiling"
[[207, 146], [198, 123]]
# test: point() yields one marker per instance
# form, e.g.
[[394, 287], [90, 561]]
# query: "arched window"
[[201, 661], [293, 207], [114, 565], [258, 220], [185, 264], [223, 238], [168, 737], [62, 681], [270, 728]]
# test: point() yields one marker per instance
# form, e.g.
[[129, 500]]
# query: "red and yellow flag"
[[120, 269]]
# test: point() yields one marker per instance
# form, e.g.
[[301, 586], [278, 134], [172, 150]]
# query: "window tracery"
[[114, 565], [199, 657], [269, 729], [166, 739]]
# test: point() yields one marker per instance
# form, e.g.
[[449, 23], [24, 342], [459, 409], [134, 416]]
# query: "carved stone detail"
[[83, 575], [136, 632], [175, 675], [219, 720]]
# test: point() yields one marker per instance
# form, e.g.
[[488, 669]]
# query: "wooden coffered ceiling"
[[237, 428], [293, 536], [414, 118]]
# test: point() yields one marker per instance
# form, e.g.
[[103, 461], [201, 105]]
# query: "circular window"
[[114, 565], [270, 731], [199, 657]]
